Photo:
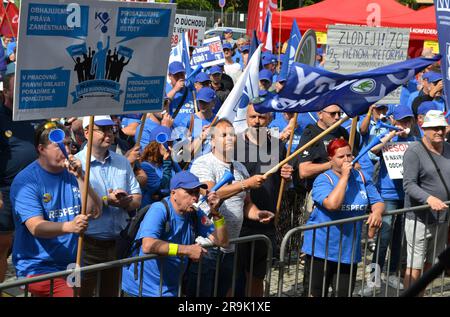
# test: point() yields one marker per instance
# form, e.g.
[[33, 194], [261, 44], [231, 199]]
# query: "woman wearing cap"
[[339, 193], [391, 190], [157, 163]]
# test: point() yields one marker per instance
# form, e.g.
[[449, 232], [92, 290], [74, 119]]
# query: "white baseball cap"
[[434, 118], [98, 121]]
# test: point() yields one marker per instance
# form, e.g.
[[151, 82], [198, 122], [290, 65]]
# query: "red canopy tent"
[[422, 23], [319, 15]]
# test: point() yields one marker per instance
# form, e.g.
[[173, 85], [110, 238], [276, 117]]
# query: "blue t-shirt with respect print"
[[55, 197], [359, 195]]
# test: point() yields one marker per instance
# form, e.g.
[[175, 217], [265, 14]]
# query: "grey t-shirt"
[[421, 179], [209, 168]]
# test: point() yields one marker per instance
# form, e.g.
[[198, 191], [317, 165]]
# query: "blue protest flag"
[[442, 16], [254, 43], [185, 54], [311, 89], [289, 56]]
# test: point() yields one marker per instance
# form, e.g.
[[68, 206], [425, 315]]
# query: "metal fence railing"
[[97, 269], [301, 280]]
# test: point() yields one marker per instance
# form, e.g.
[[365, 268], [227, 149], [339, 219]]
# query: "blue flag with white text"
[[312, 89], [442, 17], [289, 56]]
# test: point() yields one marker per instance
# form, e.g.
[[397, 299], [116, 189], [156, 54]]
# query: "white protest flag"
[[230, 107]]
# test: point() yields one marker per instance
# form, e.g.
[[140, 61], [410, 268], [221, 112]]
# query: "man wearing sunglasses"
[[314, 160], [113, 179]]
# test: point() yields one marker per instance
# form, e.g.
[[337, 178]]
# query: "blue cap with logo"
[[202, 77], [432, 77], [265, 74], [245, 48], [268, 59], [215, 70], [402, 111], [426, 106], [227, 46], [186, 180], [176, 67], [206, 94], [228, 31], [160, 134]]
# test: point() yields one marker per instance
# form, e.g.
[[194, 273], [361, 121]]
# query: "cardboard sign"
[[194, 26], [89, 58], [210, 54], [393, 153], [353, 49]]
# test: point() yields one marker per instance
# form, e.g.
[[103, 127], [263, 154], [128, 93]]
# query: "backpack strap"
[[329, 178], [138, 243]]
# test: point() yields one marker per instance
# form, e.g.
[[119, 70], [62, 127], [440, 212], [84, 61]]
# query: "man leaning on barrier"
[[173, 233], [46, 202]]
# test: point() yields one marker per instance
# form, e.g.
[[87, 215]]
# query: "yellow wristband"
[[219, 223], [105, 200], [173, 249]]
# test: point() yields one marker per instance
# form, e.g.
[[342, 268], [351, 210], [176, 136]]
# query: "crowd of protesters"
[[41, 190]]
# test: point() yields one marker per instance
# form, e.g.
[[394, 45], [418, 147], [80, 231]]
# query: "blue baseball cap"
[[401, 112], [227, 46], [202, 77], [176, 67], [426, 106], [215, 70], [206, 94], [99, 121], [186, 180], [268, 59], [228, 31], [432, 77], [265, 74], [319, 51], [161, 134], [245, 48]]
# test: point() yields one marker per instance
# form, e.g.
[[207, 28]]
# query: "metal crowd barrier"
[[289, 283], [98, 268]]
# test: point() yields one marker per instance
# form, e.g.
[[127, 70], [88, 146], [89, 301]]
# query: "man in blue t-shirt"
[[169, 229], [46, 202], [181, 101]]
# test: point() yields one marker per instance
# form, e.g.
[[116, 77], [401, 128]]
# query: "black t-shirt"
[[227, 82], [317, 153], [16, 146], [265, 197]]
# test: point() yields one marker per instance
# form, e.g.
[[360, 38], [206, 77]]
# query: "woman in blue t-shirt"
[[339, 193], [157, 163]]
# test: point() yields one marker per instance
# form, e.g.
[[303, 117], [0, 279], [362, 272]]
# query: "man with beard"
[[269, 151]]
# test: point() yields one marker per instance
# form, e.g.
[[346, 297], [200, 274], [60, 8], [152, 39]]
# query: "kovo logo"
[[363, 86]]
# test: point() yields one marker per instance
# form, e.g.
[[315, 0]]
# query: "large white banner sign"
[[91, 57]]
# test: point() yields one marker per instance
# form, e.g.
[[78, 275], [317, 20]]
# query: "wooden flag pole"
[[280, 193], [307, 145], [351, 140], [85, 185], [141, 129]]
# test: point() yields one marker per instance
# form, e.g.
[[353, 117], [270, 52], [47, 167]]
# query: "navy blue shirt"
[[16, 146]]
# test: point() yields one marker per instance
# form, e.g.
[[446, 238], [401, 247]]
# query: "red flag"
[[257, 10], [10, 20], [2, 12]]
